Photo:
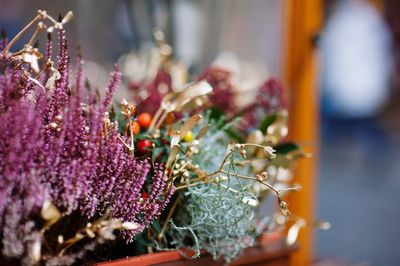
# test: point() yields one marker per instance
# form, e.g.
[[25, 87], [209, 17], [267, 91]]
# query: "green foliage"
[[266, 122], [213, 149], [215, 217], [221, 223], [285, 148], [234, 135], [216, 116]]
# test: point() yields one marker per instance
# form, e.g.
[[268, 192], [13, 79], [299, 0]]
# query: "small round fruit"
[[145, 196], [144, 120], [188, 137], [170, 118], [135, 127], [144, 145]]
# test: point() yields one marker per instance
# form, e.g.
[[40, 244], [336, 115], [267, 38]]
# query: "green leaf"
[[157, 142], [215, 113], [267, 121], [164, 156], [234, 135], [156, 226], [216, 117], [285, 148], [141, 239], [141, 136], [156, 152], [282, 161]]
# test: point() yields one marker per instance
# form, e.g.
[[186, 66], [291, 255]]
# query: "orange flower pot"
[[271, 250]]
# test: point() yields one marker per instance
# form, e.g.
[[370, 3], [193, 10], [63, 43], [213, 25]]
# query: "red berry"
[[143, 146], [144, 195], [164, 142], [144, 120]]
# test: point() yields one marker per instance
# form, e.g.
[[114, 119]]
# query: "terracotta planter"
[[271, 250]]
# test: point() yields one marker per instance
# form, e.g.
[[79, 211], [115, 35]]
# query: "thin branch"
[[40, 26], [171, 211], [18, 36]]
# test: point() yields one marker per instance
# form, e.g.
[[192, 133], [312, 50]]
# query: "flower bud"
[[283, 206], [130, 225], [58, 117], [269, 152], [53, 125], [237, 147]]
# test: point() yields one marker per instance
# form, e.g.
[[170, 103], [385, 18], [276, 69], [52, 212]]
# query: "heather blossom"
[[56, 147]]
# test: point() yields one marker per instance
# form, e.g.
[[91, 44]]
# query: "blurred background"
[[348, 106]]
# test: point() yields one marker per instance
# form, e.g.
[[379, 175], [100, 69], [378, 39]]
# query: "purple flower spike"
[[54, 147]]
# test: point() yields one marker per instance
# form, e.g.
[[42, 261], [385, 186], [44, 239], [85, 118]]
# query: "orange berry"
[[170, 118], [135, 127], [144, 120]]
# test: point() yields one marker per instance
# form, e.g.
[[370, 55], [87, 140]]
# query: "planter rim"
[[175, 255]]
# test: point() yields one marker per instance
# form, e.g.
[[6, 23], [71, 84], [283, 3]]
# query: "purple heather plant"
[[56, 148]]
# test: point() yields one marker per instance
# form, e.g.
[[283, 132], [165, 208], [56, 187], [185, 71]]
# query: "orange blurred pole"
[[378, 4], [303, 19]]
